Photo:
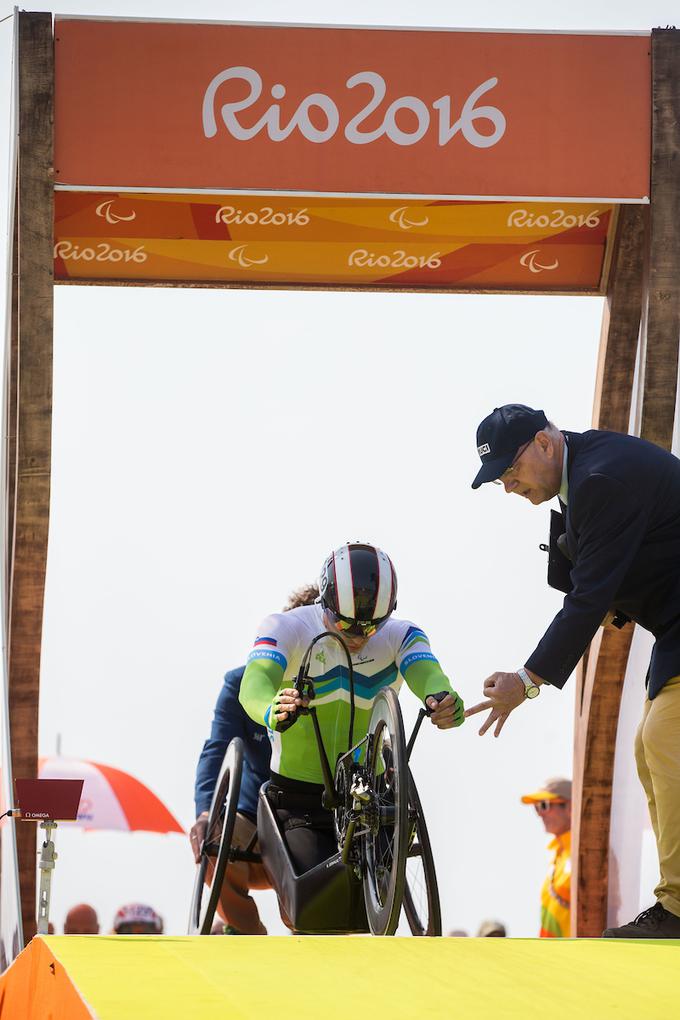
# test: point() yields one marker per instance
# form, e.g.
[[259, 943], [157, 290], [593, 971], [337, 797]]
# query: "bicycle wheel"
[[385, 843], [421, 894], [217, 843]]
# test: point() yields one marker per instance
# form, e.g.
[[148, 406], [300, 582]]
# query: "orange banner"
[[312, 241], [351, 110]]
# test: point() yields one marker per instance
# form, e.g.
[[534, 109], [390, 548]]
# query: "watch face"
[[533, 692]]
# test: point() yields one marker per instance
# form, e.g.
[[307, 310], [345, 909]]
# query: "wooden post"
[[621, 323], [32, 370], [600, 679], [663, 296], [600, 686]]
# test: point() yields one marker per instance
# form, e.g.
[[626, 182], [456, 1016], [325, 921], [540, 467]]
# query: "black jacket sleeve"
[[610, 522]]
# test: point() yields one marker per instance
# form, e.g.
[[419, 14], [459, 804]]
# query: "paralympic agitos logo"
[[405, 121]]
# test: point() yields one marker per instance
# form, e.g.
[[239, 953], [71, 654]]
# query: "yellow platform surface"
[[335, 978]]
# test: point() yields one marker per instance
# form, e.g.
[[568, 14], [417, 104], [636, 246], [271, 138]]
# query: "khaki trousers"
[[657, 753]]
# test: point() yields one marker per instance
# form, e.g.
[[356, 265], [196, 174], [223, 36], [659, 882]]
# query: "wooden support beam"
[[601, 683], [32, 371], [621, 323], [600, 678], [597, 715], [663, 297]]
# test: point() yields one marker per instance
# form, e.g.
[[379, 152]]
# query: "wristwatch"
[[531, 690]]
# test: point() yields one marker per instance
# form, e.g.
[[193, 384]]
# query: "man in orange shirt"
[[552, 803]]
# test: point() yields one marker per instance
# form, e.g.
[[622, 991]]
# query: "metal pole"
[[47, 861]]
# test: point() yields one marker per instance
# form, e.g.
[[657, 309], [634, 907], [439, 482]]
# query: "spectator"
[[491, 929], [137, 919], [553, 806], [457, 933], [236, 905], [81, 920]]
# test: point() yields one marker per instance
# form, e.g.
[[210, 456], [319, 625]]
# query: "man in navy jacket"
[[231, 720], [620, 499]]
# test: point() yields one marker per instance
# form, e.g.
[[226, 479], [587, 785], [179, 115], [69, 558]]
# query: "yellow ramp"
[[333, 978]]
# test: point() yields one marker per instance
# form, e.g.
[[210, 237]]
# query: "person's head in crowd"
[[304, 596], [137, 919], [81, 920], [218, 927], [456, 933], [491, 929], [552, 803]]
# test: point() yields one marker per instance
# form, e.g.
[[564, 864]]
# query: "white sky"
[[210, 448]]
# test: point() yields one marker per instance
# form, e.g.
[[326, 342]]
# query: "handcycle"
[[217, 848], [384, 858]]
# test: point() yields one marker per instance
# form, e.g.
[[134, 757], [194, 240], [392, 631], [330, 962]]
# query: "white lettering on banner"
[[398, 216], [327, 111], [555, 218], [396, 260], [102, 252], [246, 261], [263, 217]]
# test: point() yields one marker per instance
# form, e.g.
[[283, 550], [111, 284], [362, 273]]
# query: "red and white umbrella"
[[111, 799]]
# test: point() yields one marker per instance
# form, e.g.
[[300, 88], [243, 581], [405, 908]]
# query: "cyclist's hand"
[[285, 706], [448, 712], [197, 835]]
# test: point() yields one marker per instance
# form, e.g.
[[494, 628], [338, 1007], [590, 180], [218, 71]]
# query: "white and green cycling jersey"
[[398, 651]]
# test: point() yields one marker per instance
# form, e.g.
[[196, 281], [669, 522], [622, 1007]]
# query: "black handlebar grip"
[[437, 697]]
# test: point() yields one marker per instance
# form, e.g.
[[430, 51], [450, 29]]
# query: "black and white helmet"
[[358, 588]]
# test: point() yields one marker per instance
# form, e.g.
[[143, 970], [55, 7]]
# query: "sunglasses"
[[355, 628], [546, 805]]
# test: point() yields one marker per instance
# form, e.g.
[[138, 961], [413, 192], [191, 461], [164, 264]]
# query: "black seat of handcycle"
[[327, 899]]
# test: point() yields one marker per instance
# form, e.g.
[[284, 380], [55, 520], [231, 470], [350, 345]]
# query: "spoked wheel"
[[386, 841], [217, 844], [421, 895]]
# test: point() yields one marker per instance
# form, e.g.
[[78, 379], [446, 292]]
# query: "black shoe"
[[654, 923]]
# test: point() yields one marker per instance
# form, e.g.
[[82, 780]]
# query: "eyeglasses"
[[507, 474], [355, 628]]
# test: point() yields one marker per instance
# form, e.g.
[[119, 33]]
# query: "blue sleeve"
[[228, 722]]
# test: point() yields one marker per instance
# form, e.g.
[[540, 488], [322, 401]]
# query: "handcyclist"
[[358, 595], [236, 906]]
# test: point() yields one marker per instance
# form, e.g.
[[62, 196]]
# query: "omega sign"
[[317, 117]]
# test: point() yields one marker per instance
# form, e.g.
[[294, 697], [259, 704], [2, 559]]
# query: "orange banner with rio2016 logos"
[[351, 111], [331, 242]]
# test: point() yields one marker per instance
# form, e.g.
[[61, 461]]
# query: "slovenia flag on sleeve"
[[266, 648]]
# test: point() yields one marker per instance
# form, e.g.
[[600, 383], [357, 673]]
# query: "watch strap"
[[526, 680]]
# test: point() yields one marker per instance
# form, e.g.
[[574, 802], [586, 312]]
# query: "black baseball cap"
[[500, 436]]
